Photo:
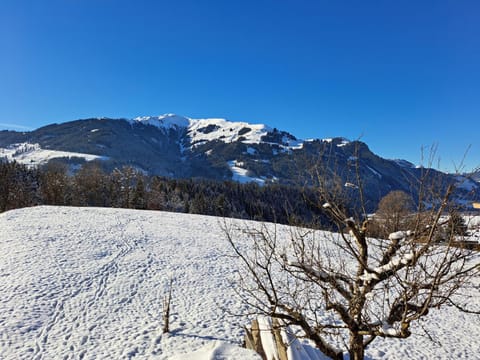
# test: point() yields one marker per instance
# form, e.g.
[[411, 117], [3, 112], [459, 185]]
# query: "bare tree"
[[394, 208], [344, 290], [392, 214]]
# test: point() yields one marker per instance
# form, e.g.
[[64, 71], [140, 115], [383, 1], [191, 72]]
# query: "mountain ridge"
[[181, 147]]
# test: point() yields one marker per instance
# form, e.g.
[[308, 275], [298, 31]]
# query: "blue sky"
[[399, 75]]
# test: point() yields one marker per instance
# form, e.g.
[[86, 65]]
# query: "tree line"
[[126, 187]]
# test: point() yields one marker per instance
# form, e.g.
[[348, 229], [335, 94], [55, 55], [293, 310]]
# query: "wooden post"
[[166, 309], [281, 348], [253, 340]]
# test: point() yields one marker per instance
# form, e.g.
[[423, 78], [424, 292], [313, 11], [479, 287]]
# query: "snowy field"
[[33, 155], [88, 283]]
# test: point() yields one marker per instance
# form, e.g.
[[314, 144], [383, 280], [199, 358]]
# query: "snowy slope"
[[201, 131], [34, 155], [241, 175], [167, 121], [89, 282]]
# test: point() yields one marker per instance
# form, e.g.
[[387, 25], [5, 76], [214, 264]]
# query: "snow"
[[89, 283], [296, 350], [375, 172], [166, 121], [318, 273], [203, 130], [473, 225], [292, 144], [225, 130], [367, 277], [389, 330], [404, 259], [200, 131], [241, 175], [350, 185], [218, 350], [466, 183], [398, 235], [267, 338], [34, 155], [404, 163], [472, 221], [343, 143]]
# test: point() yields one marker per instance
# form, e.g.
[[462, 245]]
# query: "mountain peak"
[[203, 130], [164, 121]]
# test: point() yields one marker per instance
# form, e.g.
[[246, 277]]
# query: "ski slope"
[[88, 283]]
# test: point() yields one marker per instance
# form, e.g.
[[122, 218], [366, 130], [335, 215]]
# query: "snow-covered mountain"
[[89, 283], [182, 147], [204, 130]]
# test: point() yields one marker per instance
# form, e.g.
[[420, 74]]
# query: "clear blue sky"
[[397, 74]]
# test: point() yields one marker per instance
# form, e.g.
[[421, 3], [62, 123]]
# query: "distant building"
[[476, 205]]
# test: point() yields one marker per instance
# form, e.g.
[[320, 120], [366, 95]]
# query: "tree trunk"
[[356, 348]]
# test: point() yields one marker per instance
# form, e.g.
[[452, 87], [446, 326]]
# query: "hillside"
[[89, 283], [218, 149]]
